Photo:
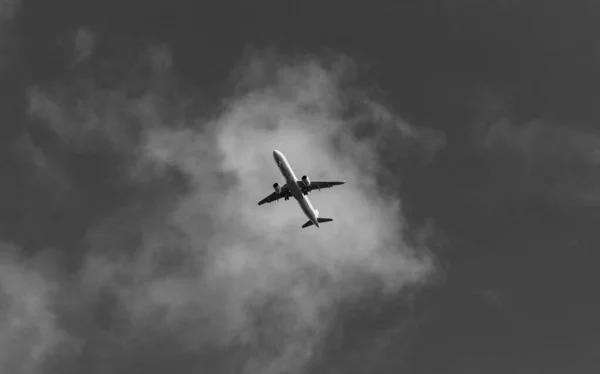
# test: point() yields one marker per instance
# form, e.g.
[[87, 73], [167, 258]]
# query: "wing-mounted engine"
[[305, 180], [277, 188]]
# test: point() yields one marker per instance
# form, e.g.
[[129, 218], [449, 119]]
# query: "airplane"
[[298, 189]]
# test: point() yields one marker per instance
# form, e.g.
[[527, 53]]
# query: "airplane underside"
[[299, 189]]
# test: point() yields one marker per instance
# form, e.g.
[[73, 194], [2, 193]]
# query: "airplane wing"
[[285, 193], [318, 185]]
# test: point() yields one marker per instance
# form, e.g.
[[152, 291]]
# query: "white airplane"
[[298, 189]]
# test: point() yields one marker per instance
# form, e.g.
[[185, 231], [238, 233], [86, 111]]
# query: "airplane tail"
[[320, 220]]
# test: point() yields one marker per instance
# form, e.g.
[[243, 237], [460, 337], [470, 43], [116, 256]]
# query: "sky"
[[137, 138]]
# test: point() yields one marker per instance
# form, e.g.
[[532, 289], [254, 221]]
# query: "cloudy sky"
[[137, 139]]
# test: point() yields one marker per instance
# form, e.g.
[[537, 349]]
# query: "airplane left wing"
[[318, 185], [285, 193]]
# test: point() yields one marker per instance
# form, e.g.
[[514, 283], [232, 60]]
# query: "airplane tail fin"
[[320, 220]]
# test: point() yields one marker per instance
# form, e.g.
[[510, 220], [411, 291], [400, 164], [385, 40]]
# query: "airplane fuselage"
[[292, 183]]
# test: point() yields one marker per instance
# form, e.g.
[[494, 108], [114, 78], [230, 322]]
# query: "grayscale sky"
[[137, 138]]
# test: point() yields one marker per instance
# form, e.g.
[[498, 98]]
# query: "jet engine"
[[277, 188], [305, 180]]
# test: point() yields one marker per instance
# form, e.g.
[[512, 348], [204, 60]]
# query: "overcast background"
[[137, 139]]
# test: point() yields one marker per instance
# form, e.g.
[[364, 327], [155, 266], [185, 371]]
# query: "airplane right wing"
[[285, 193], [318, 185]]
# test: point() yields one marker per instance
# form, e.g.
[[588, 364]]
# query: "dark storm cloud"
[[187, 273]]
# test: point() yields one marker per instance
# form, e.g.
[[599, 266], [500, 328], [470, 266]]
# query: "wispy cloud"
[[8, 10], [545, 159], [84, 42], [29, 328]]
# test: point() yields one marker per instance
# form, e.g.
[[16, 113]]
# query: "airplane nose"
[[276, 154]]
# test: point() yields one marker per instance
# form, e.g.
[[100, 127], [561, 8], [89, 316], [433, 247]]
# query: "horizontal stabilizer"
[[320, 220]]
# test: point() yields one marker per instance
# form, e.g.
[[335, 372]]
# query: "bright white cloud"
[[211, 269]]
